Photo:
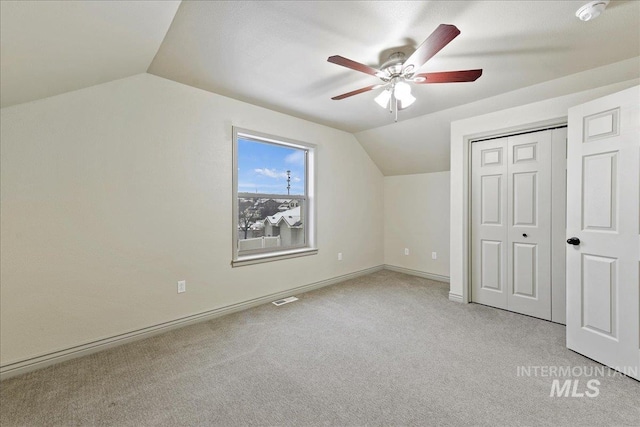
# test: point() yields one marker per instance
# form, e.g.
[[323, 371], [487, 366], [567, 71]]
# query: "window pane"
[[270, 169], [274, 224]]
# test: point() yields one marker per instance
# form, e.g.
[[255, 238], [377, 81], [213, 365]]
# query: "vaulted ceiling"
[[274, 53], [52, 47]]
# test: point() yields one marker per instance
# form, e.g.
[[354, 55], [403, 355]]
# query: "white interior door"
[[529, 231], [489, 222], [603, 181]]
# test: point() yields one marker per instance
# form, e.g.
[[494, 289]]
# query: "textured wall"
[[416, 216], [111, 194]]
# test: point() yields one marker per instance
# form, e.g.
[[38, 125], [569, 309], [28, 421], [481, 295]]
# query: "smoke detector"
[[592, 10]]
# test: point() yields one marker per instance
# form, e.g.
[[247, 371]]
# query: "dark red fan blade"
[[345, 62], [432, 45], [355, 92], [449, 76]]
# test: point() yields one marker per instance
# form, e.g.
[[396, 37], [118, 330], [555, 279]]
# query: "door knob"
[[573, 241], [524, 235]]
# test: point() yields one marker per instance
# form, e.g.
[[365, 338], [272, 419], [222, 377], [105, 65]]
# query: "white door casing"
[[558, 225], [603, 181]]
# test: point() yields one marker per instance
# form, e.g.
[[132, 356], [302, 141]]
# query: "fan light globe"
[[383, 98], [402, 92], [407, 100]]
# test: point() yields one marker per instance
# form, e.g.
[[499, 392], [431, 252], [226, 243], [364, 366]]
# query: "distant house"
[[288, 204], [286, 224]]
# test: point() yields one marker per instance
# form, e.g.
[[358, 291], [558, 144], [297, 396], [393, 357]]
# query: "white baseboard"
[[23, 366], [418, 273], [455, 297]]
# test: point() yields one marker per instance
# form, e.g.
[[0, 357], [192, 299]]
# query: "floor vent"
[[284, 301]]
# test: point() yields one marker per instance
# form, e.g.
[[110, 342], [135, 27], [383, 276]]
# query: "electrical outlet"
[[434, 255], [339, 256], [182, 286], [406, 251]]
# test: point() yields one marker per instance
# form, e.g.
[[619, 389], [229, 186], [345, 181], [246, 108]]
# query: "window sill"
[[259, 259]]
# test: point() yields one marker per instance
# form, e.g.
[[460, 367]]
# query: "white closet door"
[[529, 231], [603, 296], [489, 222], [511, 223]]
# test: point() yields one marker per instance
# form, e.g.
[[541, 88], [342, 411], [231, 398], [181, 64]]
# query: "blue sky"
[[262, 168]]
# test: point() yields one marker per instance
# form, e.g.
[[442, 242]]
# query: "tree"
[[248, 214], [269, 208]]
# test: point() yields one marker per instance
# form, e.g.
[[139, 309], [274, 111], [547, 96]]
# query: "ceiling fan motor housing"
[[393, 66]]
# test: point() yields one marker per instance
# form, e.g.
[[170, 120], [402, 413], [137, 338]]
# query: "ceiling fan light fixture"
[[397, 72], [383, 99], [592, 10]]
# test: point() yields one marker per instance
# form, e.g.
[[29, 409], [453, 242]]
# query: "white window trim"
[[309, 206]]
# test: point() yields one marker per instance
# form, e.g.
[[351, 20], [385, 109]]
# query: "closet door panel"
[[529, 219], [489, 223]]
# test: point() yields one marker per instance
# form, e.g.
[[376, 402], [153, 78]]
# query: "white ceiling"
[[422, 144], [52, 47], [274, 54]]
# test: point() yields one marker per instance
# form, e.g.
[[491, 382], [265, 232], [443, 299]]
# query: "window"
[[273, 198]]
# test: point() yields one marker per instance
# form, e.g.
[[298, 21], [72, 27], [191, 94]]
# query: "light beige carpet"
[[384, 349]]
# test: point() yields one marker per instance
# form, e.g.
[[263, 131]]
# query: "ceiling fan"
[[397, 72]]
